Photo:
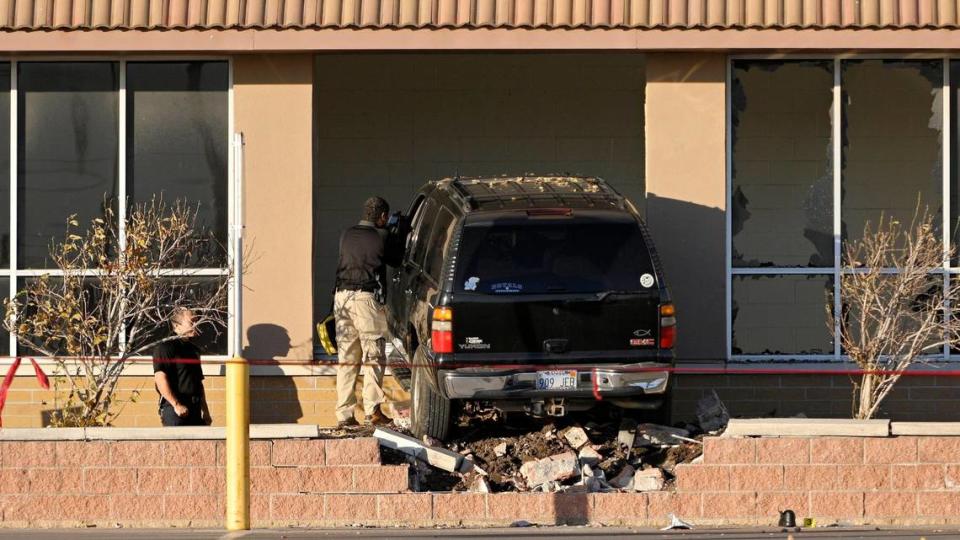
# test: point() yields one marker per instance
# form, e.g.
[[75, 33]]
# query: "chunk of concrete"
[[42, 434], [648, 480], [501, 449], [440, 458], [711, 412], [576, 437], [625, 478], [479, 485], [939, 429], [557, 468], [589, 456], [657, 435], [627, 433], [806, 427]]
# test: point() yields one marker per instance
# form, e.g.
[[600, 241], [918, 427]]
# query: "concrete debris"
[[589, 456], [437, 457], [577, 437], [657, 435], [625, 478], [479, 485], [676, 523], [559, 467], [501, 449], [647, 480], [712, 413], [627, 434]]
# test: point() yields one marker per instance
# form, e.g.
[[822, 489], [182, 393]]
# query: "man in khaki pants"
[[360, 315]]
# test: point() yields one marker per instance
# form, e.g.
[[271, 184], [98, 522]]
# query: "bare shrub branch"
[[115, 300]]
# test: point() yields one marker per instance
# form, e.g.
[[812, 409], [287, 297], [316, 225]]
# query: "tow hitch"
[[555, 407]]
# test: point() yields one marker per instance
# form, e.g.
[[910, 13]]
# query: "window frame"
[[836, 133], [234, 156]]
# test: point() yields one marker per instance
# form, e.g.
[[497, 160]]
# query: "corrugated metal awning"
[[586, 14]]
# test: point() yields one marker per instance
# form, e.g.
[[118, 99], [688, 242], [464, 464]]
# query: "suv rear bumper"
[[607, 380]]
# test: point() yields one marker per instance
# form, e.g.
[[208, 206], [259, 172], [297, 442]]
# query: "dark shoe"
[[378, 418], [349, 422]]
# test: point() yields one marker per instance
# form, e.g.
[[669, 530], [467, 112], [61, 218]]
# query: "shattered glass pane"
[[782, 314], [782, 200], [68, 147], [892, 137]]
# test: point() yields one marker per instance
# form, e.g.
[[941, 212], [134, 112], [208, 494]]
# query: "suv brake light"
[[668, 326], [441, 331]]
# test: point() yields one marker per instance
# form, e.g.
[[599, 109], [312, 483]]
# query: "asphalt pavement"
[[564, 533]]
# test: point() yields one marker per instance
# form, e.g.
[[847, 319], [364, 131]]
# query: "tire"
[[432, 413]]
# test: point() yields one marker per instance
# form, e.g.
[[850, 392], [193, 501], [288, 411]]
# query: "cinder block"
[[381, 479], [409, 508], [718, 450], [701, 478], [364, 451], [460, 508], [619, 508]]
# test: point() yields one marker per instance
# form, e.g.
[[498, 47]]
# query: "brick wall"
[[273, 400], [922, 399], [895, 480]]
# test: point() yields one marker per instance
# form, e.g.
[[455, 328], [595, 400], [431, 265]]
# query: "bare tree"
[[895, 310], [113, 300]]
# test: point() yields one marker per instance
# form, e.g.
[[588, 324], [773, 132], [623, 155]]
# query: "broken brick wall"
[[891, 480]]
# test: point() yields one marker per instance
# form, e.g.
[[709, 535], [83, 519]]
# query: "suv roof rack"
[[528, 191]]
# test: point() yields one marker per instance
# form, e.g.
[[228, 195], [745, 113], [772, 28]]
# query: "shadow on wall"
[[690, 241], [273, 398]]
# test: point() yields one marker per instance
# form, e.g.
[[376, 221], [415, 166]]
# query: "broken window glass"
[[892, 137], [781, 314], [782, 199]]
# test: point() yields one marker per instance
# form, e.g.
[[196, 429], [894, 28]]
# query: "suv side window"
[[437, 247], [422, 224]]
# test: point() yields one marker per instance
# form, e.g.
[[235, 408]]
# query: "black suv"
[[534, 294]]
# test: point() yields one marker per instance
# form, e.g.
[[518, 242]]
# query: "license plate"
[[557, 380]]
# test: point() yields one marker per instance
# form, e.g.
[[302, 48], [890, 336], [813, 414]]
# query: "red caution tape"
[[7, 381]]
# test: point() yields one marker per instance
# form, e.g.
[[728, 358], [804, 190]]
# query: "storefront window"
[[177, 138], [892, 155], [807, 173], [69, 120], [782, 201], [67, 145]]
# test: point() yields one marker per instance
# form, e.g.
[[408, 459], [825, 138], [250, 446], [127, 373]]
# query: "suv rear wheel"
[[432, 413]]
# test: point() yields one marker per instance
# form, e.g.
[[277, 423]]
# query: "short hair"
[[374, 207]]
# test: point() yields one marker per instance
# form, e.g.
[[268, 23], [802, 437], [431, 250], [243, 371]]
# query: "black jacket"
[[364, 253]]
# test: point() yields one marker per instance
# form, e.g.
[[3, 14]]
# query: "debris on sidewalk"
[[676, 523], [589, 456], [657, 435], [712, 413]]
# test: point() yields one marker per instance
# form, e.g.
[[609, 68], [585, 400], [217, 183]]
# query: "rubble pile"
[[573, 455]]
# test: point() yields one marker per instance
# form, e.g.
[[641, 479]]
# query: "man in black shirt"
[[360, 314], [178, 376]]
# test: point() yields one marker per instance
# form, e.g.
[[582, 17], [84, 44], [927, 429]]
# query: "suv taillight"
[[668, 326], [441, 331]]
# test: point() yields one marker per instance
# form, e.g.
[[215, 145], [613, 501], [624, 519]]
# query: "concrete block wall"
[[273, 400], [182, 483], [914, 398], [892, 480]]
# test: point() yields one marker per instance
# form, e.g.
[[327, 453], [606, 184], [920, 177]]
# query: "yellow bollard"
[[238, 445]]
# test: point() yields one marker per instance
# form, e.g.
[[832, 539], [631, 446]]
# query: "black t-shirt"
[[180, 360]]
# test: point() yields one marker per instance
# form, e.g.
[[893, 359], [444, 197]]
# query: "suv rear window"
[[548, 256]]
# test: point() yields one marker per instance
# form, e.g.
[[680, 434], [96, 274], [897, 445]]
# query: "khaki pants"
[[361, 337]]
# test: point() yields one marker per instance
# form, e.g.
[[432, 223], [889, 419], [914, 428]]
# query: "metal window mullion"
[[945, 138], [122, 179], [14, 114], [234, 189], [837, 190], [728, 264]]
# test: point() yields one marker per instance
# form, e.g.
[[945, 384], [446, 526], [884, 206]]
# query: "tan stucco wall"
[[273, 108], [686, 191]]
